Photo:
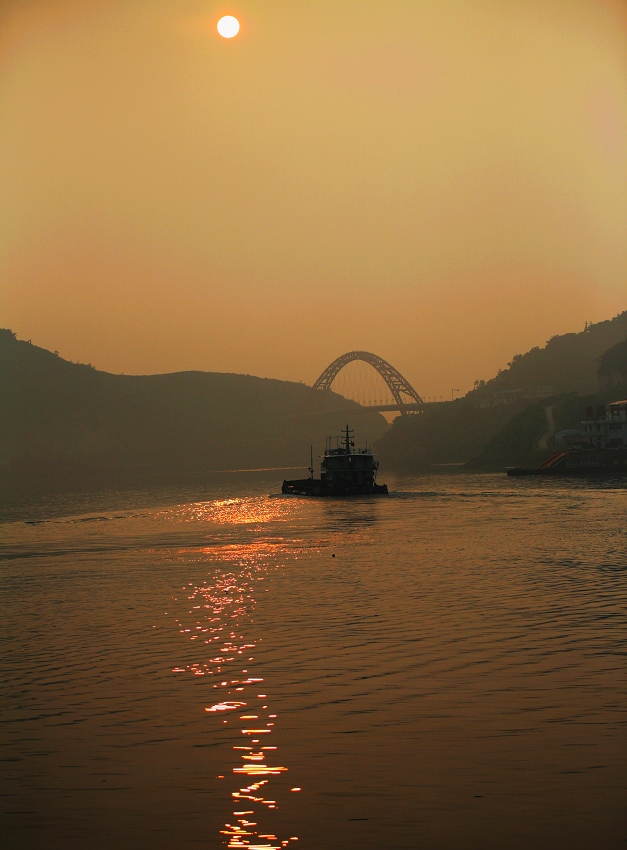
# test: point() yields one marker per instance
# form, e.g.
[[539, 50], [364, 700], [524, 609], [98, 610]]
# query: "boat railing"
[[342, 451]]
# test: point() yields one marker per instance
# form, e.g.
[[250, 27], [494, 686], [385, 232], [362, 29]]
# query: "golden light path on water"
[[219, 617], [454, 677]]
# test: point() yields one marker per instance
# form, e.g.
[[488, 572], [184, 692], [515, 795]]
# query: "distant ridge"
[[612, 369], [61, 420], [567, 363], [506, 415]]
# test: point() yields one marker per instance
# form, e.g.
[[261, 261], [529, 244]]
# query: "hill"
[[61, 420], [517, 443], [500, 421], [612, 369], [446, 433], [567, 363]]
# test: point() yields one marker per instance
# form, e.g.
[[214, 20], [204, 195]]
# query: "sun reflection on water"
[[252, 511], [218, 616]]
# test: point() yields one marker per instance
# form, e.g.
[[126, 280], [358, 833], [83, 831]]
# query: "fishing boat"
[[344, 471]]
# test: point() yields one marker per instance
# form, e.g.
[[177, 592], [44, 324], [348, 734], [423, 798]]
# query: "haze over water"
[[176, 662]]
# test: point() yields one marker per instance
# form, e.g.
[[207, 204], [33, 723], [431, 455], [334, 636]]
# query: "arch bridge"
[[406, 399]]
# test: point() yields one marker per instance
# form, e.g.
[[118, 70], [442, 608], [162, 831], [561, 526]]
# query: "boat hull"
[[599, 471], [585, 462], [315, 487]]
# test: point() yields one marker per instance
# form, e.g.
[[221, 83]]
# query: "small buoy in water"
[[333, 555]]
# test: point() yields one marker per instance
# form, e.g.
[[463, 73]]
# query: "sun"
[[228, 26]]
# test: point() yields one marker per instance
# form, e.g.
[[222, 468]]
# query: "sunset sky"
[[441, 182]]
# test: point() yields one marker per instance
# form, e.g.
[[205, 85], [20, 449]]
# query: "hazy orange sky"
[[442, 182]]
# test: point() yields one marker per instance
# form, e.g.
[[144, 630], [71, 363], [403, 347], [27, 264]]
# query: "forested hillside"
[[60, 419], [567, 363], [501, 421], [612, 369]]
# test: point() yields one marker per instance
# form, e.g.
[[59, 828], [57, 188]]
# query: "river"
[[222, 666]]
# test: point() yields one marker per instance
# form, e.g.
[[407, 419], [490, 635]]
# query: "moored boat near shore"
[[603, 451], [579, 462]]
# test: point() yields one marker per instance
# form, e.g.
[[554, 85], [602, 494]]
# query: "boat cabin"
[[344, 471], [342, 464]]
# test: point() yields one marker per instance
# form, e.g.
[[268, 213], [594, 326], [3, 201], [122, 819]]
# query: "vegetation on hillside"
[[446, 433], [491, 430], [567, 363], [60, 418], [516, 444], [612, 369], [571, 410]]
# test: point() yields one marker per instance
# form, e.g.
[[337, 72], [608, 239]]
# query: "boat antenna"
[[347, 441]]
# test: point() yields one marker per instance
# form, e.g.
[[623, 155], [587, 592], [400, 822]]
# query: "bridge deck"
[[361, 409]]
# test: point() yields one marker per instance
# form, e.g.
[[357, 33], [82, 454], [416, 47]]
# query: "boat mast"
[[347, 441], [311, 469]]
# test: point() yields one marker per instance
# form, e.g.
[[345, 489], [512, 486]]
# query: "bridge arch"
[[404, 394]]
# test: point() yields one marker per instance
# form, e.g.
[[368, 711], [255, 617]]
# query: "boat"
[[602, 451], [579, 462], [344, 471]]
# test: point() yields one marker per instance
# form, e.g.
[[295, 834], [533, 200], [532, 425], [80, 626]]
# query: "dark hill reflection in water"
[[454, 677]]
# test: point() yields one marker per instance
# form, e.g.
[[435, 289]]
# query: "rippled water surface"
[[440, 668]]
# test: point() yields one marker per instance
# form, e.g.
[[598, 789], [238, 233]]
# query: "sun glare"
[[228, 26]]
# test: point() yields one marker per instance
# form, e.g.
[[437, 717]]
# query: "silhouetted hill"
[[567, 363], [517, 443], [60, 419], [500, 422], [612, 370], [446, 433]]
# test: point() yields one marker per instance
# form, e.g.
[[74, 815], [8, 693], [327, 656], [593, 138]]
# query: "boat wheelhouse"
[[344, 471]]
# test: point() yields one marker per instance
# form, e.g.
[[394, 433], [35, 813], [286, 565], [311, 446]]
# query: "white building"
[[606, 427], [571, 438]]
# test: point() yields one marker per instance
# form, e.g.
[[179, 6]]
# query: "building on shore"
[[606, 427]]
